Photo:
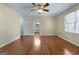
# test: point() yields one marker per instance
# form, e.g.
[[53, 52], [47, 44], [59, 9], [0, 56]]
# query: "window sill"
[[71, 33]]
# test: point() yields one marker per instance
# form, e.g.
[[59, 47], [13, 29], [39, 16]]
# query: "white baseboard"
[[47, 35], [69, 41], [39, 34], [9, 42], [27, 34]]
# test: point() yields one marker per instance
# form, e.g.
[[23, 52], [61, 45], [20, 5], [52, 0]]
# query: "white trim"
[[47, 34], [9, 42], [69, 41], [39, 34], [27, 34]]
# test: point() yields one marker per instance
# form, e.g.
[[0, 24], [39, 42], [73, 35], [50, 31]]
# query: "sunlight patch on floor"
[[37, 42], [67, 52]]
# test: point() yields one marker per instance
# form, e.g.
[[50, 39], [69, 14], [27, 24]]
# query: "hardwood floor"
[[43, 45]]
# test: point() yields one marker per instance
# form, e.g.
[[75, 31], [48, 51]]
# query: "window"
[[77, 21], [71, 22]]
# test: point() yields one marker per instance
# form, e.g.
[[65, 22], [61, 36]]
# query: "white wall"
[[73, 38], [27, 25], [9, 25], [47, 25]]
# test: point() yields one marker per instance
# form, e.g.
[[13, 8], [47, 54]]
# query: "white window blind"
[[71, 22]]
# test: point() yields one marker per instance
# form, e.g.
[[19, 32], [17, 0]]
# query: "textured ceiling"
[[25, 8]]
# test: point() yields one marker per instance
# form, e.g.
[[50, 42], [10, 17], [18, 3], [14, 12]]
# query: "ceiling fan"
[[40, 7]]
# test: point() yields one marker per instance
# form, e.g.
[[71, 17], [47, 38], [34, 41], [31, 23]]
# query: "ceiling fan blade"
[[33, 4], [46, 10], [45, 5]]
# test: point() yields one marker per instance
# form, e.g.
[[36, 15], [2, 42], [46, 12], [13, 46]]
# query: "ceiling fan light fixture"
[[40, 11], [40, 7]]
